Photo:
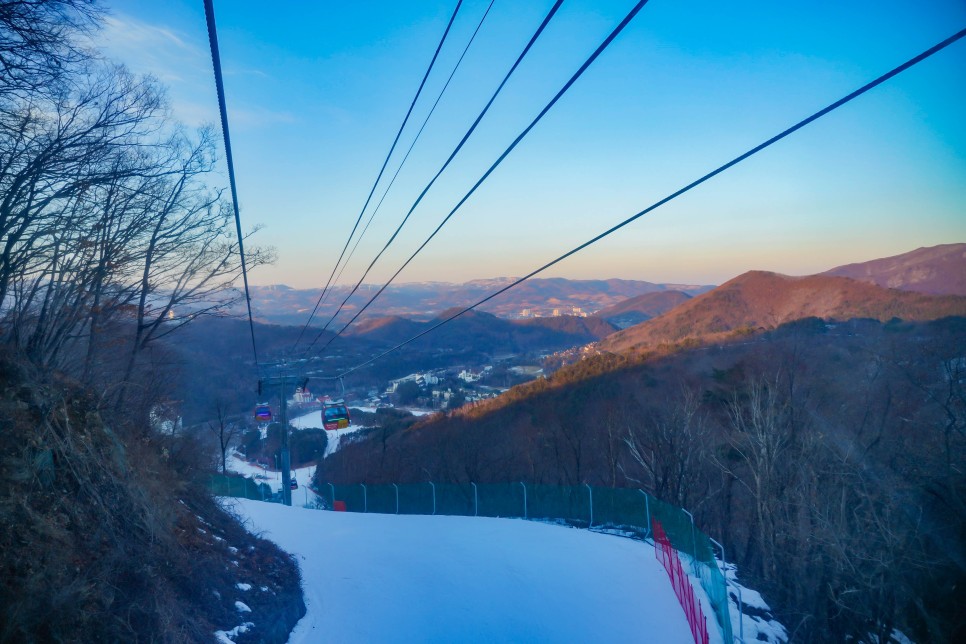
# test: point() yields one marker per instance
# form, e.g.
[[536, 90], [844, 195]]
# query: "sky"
[[316, 92]]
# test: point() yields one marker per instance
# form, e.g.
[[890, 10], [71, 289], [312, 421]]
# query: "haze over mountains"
[[924, 284], [281, 304]]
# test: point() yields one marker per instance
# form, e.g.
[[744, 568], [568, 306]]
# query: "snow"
[[227, 637], [388, 578], [243, 586], [314, 419], [303, 495], [242, 607], [754, 628]]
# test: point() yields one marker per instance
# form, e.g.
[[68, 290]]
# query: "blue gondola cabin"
[[263, 413]]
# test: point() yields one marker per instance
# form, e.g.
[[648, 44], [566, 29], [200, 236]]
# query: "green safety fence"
[[239, 487], [625, 509]]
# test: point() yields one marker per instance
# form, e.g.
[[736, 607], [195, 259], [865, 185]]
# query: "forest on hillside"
[[827, 457]]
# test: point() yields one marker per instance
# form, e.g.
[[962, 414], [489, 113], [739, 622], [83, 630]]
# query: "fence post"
[[724, 562], [476, 501], [741, 611], [724, 573], [591, 492], [524, 486], [365, 498], [397, 497], [332, 487], [647, 513], [434, 495], [694, 544]]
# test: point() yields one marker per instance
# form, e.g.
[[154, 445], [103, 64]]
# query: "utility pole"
[[282, 382]]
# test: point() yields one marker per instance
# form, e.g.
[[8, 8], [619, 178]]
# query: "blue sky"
[[317, 90]]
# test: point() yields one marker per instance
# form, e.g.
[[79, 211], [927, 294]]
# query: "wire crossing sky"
[[452, 155], [316, 93], [223, 114], [674, 195], [392, 148], [600, 48], [413, 144]]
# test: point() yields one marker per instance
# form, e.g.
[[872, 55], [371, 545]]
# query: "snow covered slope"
[[387, 578]]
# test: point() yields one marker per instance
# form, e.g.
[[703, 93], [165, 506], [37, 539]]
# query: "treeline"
[[829, 461], [110, 236]]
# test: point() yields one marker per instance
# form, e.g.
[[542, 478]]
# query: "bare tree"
[[39, 42], [225, 429], [761, 438], [670, 449]]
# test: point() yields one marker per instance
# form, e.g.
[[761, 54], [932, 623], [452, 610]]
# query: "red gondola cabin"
[[335, 415]]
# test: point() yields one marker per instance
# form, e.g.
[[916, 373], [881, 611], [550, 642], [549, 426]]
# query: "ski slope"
[[388, 578], [314, 419]]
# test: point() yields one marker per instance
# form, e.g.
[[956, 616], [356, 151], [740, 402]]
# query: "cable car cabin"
[[335, 416], [263, 413]]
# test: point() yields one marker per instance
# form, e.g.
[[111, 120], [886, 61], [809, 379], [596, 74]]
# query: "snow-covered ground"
[[759, 624], [302, 496], [388, 578], [314, 419]]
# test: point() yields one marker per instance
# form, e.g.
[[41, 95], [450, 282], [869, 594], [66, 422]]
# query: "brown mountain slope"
[[591, 327], [759, 299], [938, 270], [486, 332], [635, 310]]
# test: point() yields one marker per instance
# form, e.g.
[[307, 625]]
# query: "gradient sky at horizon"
[[316, 91]]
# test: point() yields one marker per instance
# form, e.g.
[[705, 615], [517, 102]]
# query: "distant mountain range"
[[279, 304], [923, 284]]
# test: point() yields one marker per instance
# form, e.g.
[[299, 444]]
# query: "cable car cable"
[[393, 180], [459, 146], [533, 39], [384, 164], [758, 148], [223, 110], [326, 292], [607, 41]]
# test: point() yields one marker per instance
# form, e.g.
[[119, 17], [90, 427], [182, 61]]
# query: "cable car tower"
[[283, 382]]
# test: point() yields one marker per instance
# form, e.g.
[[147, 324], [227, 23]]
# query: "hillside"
[[937, 270], [641, 308], [485, 332], [804, 447], [108, 532], [763, 300]]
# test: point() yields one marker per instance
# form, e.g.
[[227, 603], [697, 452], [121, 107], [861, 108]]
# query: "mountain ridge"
[[764, 300], [936, 270], [641, 308]]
